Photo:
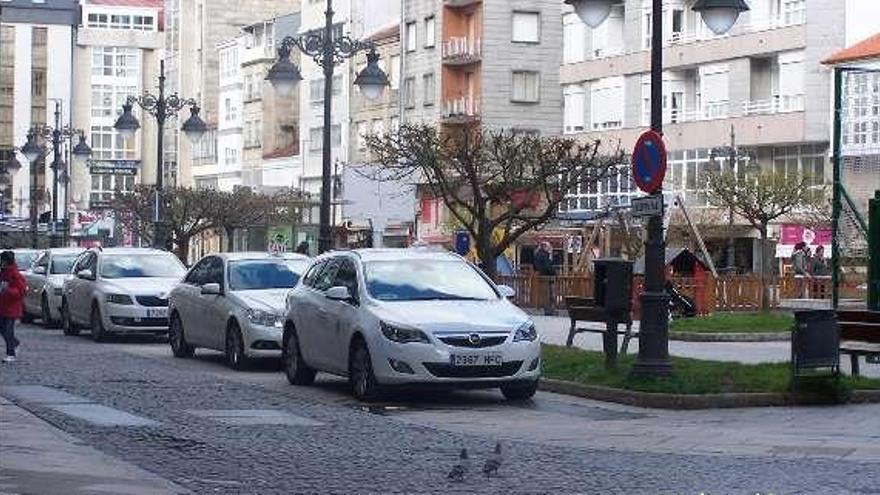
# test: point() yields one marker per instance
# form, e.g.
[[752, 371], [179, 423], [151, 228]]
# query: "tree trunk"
[[487, 255], [230, 239], [182, 249], [765, 285]]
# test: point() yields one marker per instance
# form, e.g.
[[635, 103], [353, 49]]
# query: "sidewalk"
[[36, 457], [554, 330]]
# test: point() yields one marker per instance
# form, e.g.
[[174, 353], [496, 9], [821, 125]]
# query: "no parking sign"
[[649, 162]]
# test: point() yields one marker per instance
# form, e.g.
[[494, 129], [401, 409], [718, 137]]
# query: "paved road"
[[207, 429]]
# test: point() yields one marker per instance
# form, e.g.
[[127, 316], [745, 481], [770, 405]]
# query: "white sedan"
[[408, 316], [45, 284], [234, 302]]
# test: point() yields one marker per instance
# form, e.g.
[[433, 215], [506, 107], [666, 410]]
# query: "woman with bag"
[[12, 292]]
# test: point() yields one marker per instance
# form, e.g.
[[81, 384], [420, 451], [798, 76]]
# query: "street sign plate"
[[648, 206], [649, 162]]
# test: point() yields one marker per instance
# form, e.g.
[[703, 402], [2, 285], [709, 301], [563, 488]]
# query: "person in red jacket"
[[12, 292]]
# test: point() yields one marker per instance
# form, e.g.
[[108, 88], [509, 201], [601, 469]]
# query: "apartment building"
[[36, 67], [469, 62], [763, 80], [117, 55], [194, 28], [256, 142]]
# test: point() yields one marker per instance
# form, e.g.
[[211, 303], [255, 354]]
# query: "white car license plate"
[[157, 312], [476, 360]]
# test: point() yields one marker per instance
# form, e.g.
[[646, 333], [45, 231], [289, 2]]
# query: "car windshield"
[[265, 274], [62, 264], [426, 280], [24, 259], [141, 266]]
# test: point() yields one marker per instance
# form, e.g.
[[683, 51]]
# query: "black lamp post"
[[33, 150], [327, 51], [719, 15], [161, 108]]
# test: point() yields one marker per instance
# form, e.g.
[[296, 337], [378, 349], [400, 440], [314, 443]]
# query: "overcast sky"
[[379, 13], [861, 19]]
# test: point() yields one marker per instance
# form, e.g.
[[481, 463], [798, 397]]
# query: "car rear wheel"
[[297, 371], [235, 357], [179, 346], [99, 334], [46, 313], [67, 323], [519, 391], [361, 377]]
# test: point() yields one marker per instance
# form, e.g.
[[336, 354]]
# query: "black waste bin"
[[612, 285], [815, 343]]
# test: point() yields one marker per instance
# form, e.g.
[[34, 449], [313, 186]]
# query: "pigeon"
[[493, 463], [460, 470]]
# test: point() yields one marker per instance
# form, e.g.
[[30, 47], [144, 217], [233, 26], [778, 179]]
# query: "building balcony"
[[778, 104], [460, 3], [460, 110], [461, 51]]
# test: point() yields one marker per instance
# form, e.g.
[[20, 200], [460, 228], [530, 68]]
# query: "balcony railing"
[[777, 104], [725, 109], [461, 50], [459, 3], [464, 108]]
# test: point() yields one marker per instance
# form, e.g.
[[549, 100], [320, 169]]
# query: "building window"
[[794, 12], [316, 137], [98, 21], [107, 100], [410, 36], [526, 27], [378, 127], [394, 76], [525, 87], [106, 187], [573, 39], [108, 144], [230, 156], [430, 32], [573, 102], [429, 88], [116, 62], [230, 110], [606, 103], [409, 92], [316, 88]]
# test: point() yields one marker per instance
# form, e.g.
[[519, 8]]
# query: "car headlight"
[[526, 333], [264, 318], [121, 299], [403, 335]]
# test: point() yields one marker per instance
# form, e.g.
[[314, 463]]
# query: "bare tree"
[[491, 181], [761, 199], [239, 208], [185, 214]]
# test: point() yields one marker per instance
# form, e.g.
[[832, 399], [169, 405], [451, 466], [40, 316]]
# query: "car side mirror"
[[40, 270], [338, 293], [85, 275], [506, 291], [212, 290]]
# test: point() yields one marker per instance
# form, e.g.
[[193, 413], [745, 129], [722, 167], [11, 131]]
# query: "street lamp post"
[[719, 15], [161, 108], [33, 150], [327, 51]]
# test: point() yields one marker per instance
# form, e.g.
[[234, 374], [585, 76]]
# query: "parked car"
[[389, 317], [24, 258], [45, 283], [120, 290], [234, 302]]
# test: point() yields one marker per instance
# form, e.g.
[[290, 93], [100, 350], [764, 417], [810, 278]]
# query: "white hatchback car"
[[234, 302], [386, 317], [45, 284], [120, 290]]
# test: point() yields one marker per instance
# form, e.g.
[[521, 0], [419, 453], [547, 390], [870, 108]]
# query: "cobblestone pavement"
[[323, 442]]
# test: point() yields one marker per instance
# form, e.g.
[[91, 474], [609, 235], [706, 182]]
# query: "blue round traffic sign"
[[649, 162]]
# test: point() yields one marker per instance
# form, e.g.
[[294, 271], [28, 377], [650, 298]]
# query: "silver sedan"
[[45, 284], [234, 302]]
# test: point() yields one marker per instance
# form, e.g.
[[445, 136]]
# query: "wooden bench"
[[859, 335], [584, 309]]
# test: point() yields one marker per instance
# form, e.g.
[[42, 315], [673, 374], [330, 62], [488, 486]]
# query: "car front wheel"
[[361, 377], [235, 357], [297, 371], [179, 346], [46, 313], [519, 391], [67, 323], [98, 332]]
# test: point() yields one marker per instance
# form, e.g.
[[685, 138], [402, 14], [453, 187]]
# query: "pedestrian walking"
[[12, 292], [800, 265], [818, 266], [543, 265]]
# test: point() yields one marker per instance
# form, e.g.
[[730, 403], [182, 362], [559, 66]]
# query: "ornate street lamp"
[[161, 108], [327, 51], [719, 15]]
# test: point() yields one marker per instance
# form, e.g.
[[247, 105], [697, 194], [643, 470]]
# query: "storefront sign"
[[793, 234], [114, 167]]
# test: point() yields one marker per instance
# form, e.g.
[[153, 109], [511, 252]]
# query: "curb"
[[730, 337], [690, 402]]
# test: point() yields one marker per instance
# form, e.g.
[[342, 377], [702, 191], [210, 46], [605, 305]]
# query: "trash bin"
[[612, 285], [815, 341]]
